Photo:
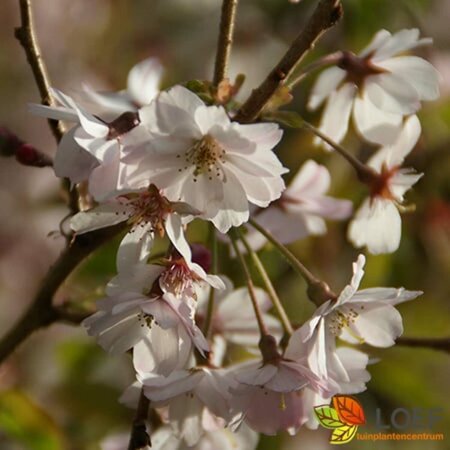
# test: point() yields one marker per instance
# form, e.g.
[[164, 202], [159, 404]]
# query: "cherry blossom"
[[377, 223], [269, 395], [137, 314], [91, 150], [222, 439], [364, 316], [351, 378], [301, 209], [143, 84], [378, 87], [197, 155], [198, 400], [228, 327], [148, 212], [163, 439]]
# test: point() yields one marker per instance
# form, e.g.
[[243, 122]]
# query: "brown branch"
[[139, 438], [225, 40], [442, 344], [27, 38], [41, 311], [26, 35], [326, 14]]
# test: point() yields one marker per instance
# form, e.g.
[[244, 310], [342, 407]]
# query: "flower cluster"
[[156, 161]]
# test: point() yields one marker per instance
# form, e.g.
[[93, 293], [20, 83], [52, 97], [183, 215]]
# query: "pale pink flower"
[[378, 87], [350, 376], [92, 149], [159, 326], [365, 316], [301, 209], [233, 321], [143, 84], [377, 223], [148, 213], [269, 396], [197, 400], [197, 155], [223, 439]]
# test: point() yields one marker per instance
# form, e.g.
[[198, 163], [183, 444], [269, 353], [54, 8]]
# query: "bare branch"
[[225, 40], [41, 312], [442, 344], [27, 38], [26, 35], [326, 14]]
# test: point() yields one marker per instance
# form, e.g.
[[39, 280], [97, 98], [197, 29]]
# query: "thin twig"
[[365, 173], [251, 288], [326, 14], [41, 312], [276, 302], [139, 438], [326, 60], [27, 38], [26, 35], [442, 344], [318, 291], [210, 308], [225, 41]]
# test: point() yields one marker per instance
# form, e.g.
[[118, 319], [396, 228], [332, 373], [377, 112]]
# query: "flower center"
[[339, 321], [178, 278], [150, 207], [207, 157], [379, 186], [358, 68]]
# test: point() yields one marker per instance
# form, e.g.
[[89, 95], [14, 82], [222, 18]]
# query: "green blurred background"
[[59, 390]]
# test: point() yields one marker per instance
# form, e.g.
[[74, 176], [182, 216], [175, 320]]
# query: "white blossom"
[[365, 316], [269, 396], [197, 400], [233, 320], [301, 209], [378, 88], [377, 223], [198, 156], [91, 150], [143, 84], [137, 314]]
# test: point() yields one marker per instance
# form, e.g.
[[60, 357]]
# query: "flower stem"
[[26, 35], [210, 307], [365, 173], [225, 41], [326, 60], [139, 437], [250, 286], [318, 291], [282, 315]]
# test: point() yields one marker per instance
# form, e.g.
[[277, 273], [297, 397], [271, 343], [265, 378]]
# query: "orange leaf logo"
[[349, 410]]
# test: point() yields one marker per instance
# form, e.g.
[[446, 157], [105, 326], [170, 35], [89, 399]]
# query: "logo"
[[343, 418]]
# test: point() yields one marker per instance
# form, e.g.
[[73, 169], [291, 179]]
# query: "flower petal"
[[377, 225], [336, 114]]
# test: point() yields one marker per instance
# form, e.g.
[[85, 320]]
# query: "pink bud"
[[9, 142], [27, 155]]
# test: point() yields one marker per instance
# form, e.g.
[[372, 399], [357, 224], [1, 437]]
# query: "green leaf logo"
[[328, 417], [343, 418], [343, 434]]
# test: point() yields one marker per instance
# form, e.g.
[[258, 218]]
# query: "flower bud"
[[27, 155], [9, 142]]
